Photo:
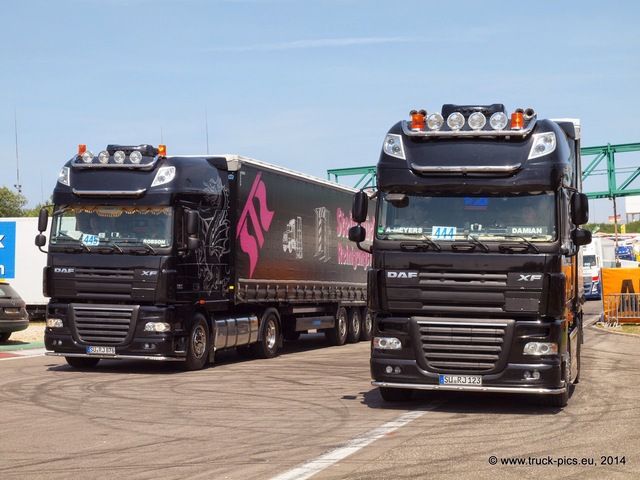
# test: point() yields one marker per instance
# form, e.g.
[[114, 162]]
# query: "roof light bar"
[[120, 156], [471, 120]]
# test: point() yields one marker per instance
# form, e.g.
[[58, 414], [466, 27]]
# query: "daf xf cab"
[[475, 278]]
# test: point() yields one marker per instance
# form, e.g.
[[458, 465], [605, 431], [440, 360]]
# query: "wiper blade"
[[114, 245], [147, 249], [477, 242], [425, 244], [523, 239], [432, 244]]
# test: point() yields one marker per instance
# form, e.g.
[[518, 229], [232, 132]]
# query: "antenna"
[[18, 185], [206, 124]]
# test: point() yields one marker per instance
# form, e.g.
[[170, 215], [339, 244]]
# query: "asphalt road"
[[310, 412]]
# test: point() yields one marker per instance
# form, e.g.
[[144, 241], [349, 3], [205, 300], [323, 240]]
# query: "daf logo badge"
[[401, 274], [64, 270], [149, 273]]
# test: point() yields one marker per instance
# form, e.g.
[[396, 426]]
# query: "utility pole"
[[18, 185]]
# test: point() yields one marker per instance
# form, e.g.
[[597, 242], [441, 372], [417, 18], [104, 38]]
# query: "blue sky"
[[307, 84]]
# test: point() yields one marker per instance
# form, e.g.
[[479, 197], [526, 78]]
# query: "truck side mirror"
[[579, 209], [359, 208], [43, 219], [41, 240], [357, 234], [192, 222], [581, 236]]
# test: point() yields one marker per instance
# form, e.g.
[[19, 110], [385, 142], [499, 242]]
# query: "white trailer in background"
[[21, 262], [592, 258]]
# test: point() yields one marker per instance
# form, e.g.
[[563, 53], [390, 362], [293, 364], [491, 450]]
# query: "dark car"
[[13, 312]]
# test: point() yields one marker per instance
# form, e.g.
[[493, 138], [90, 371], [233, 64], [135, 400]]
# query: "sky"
[[309, 85]]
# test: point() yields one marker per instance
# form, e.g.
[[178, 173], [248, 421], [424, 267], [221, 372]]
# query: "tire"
[[267, 344], [197, 344], [82, 362], [562, 400], [4, 336], [354, 326], [395, 394], [337, 335], [366, 331]]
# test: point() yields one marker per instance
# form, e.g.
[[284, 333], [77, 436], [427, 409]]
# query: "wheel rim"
[[198, 341], [342, 325], [271, 335], [368, 322], [355, 321]]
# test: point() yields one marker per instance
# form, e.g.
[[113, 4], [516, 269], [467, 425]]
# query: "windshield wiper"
[[523, 239], [477, 242], [432, 244], [113, 244], [425, 243], [147, 249]]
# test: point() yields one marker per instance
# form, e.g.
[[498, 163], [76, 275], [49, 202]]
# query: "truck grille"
[[464, 346], [104, 282], [103, 325]]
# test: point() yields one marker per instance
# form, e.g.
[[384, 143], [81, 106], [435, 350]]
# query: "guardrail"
[[621, 308]]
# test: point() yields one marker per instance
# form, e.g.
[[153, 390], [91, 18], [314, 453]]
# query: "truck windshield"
[[116, 227], [528, 217]]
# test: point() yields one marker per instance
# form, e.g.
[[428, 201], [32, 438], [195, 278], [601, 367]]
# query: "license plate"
[[93, 350], [460, 380]]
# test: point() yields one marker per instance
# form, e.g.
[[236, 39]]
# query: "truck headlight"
[[387, 343], [543, 144], [393, 146], [164, 175], [159, 327], [540, 348], [54, 323]]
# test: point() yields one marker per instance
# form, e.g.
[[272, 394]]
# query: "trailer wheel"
[[395, 394], [366, 332], [353, 332], [337, 335], [197, 344], [267, 345], [82, 362]]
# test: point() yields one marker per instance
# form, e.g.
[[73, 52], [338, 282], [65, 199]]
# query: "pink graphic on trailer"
[[251, 243]]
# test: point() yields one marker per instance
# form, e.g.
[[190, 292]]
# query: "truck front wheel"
[[198, 344], [367, 325]]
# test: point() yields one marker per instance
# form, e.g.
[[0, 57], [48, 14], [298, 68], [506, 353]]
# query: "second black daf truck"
[[161, 257], [475, 280]]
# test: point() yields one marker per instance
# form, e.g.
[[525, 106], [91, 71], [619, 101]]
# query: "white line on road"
[[313, 466]]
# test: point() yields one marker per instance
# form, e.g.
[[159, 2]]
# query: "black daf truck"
[[475, 279], [173, 258]]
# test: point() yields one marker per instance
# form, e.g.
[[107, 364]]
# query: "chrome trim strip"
[[114, 357], [468, 169], [109, 193], [419, 386]]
